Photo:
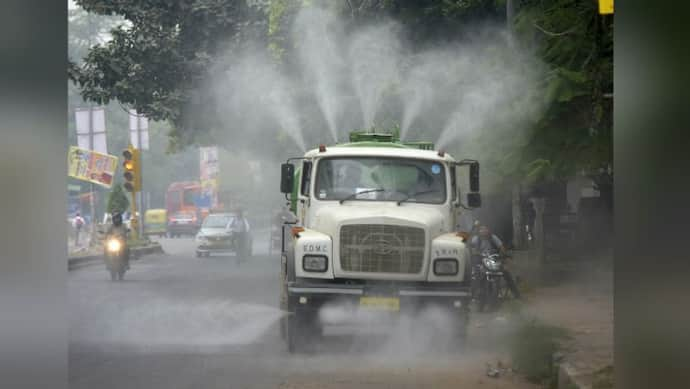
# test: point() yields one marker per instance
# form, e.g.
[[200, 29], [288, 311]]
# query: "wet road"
[[178, 321]]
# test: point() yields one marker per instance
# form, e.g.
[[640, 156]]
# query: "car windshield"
[[217, 221], [380, 179]]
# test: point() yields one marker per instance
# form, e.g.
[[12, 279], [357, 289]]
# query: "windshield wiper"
[[407, 197], [353, 195]]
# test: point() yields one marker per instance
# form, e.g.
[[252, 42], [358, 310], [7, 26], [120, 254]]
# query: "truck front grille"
[[381, 248]]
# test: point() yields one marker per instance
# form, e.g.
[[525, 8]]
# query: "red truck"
[[184, 216]]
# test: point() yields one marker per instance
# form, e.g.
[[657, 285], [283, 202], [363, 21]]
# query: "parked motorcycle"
[[489, 283], [116, 256]]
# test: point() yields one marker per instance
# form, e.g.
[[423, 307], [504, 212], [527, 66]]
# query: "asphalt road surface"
[[178, 321]]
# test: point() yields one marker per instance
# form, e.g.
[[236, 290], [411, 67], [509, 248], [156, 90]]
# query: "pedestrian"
[[78, 223]]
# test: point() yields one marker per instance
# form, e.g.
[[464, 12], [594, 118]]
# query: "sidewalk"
[[582, 303]]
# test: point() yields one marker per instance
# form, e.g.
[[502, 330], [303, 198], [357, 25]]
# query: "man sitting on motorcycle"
[[119, 229], [486, 241]]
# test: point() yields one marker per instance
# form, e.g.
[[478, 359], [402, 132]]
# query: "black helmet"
[[117, 218]]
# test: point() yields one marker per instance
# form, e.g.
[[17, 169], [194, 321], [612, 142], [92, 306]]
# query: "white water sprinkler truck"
[[375, 231]]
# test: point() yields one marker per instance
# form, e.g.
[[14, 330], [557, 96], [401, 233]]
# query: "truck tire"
[[302, 330]]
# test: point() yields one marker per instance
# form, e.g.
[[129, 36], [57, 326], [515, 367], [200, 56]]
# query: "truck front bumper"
[[314, 295]]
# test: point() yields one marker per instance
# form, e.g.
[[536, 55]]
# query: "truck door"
[[303, 195]]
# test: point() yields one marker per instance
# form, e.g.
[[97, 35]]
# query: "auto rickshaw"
[[155, 222]]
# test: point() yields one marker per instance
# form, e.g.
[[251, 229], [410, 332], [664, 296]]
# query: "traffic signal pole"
[[134, 219], [132, 175]]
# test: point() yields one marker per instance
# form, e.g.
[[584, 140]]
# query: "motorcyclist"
[[117, 228], [486, 241], [240, 231]]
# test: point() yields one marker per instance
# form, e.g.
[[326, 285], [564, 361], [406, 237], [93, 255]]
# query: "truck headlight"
[[315, 263], [446, 267]]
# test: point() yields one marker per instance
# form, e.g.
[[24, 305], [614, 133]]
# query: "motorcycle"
[[116, 256], [489, 283]]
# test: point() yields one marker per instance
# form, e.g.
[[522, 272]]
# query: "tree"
[[575, 133], [117, 200], [155, 63]]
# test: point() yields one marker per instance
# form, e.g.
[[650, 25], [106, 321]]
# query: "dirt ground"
[[449, 374], [583, 304]]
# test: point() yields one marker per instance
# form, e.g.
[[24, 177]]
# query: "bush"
[[117, 200], [532, 349]]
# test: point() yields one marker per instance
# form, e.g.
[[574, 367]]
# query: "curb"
[[78, 262]]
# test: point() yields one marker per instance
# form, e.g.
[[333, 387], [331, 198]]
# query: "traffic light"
[[132, 169]]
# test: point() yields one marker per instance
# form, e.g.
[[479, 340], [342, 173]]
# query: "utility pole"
[[92, 204], [137, 138], [141, 177]]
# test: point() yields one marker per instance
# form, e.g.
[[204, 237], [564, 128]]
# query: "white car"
[[222, 233]]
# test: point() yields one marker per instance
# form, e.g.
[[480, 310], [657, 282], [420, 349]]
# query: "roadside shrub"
[[532, 349]]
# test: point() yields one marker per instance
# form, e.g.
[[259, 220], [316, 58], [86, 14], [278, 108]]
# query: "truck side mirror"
[[474, 177], [287, 177], [474, 200]]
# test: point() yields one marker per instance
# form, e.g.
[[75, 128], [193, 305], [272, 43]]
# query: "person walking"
[[78, 224]]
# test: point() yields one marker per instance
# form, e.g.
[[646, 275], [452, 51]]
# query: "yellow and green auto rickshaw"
[[155, 222]]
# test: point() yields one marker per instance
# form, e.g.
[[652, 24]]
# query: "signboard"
[[208, 174], [208, 168], [90, 166], [605, 7], [90, 125]]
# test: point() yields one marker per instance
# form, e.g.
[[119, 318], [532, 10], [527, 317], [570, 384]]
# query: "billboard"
[[90, 166], [90, 126], [208, 174]]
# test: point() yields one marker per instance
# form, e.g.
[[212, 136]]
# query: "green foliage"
[[155, 62], [532, 349], [575, 131], [117, 200]]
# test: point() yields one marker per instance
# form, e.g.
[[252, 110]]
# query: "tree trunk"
[[518, 225], [539, 203]]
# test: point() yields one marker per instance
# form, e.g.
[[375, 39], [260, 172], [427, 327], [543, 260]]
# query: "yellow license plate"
[[380, 303]]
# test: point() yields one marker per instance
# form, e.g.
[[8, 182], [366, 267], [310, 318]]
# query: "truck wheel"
[[301, 330], [294, 333], [460, 333]]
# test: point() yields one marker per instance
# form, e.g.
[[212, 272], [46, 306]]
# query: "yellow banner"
[[605, 7], [87, 165]]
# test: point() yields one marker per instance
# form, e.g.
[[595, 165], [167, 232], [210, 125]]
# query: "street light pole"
[[92, 204], [140, 219]]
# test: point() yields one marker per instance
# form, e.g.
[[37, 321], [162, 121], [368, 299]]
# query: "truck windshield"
[[380, 179]]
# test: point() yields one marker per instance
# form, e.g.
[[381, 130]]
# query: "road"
[[178, 321]]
